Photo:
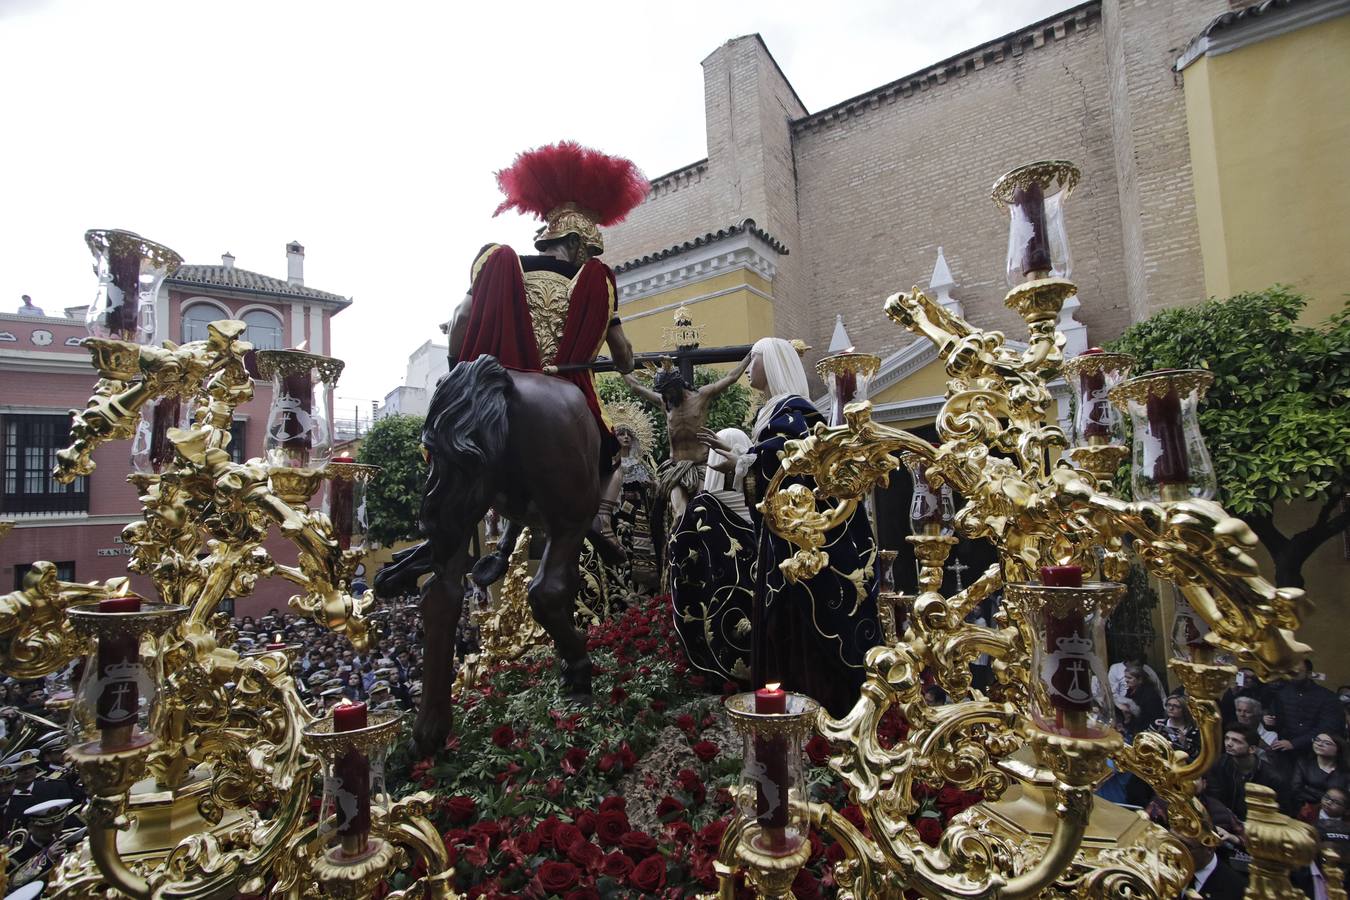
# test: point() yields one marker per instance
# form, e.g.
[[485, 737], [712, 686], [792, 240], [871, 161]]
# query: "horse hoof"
[[429, 737], [576, 677], [489, 569]]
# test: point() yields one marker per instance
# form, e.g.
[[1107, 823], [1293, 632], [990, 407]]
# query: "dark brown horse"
[[526, 445]]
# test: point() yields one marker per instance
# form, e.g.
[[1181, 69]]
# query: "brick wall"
[[1152, 149]]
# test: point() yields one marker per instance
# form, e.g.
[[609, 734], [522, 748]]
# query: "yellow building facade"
[[1268, 116]]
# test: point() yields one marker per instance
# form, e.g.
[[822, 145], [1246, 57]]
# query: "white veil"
[[784, 373], [739, 442]]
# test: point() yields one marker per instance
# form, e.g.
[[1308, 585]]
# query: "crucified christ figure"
[[681, 476]]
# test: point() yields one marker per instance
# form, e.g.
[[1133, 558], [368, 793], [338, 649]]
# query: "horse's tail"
[[465, 433]]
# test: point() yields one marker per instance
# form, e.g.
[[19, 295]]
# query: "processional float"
[[201, 761], [1040, 741]]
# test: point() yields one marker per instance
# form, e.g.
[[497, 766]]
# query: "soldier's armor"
[[547, 294]]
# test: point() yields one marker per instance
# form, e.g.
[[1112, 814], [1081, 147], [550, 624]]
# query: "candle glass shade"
[[1034, 196], [151, 450], [298, 433], [356, 802], [130, 271], [1071, 694], [345, 501], [1188, 630], [1170, 460], [1091, 376], [847, 375], [886, 571], [932, 511], [115, 708], [773, 792]]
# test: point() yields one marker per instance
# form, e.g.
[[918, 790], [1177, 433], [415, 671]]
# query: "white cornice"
[[43, 361], [739, 251], [1246, 29], [41, 320], [54, 520]]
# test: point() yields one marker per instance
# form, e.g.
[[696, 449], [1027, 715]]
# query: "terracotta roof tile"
[[745, 225], [237, 279]]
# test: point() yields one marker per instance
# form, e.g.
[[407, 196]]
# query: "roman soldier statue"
[[553, 310]]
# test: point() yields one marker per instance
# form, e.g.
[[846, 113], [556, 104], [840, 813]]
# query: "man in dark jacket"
[[1303, 710], [1227, 780], [1214, 879]]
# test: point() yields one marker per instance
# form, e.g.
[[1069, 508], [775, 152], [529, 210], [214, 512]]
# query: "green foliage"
[[1129, 633], [728, 410], [1277, 416], [395, 444]]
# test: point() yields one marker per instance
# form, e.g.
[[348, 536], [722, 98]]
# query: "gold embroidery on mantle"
[[548, 295]]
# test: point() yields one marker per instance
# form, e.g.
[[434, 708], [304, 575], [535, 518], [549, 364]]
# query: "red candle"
[[340, 510], [1069, 644], [298, 401], [1172, 464], [124, 270], [119, 669], [165, 416], [845, 385], [1029, 202], [1096, 408], [771, 788], [352, 773]]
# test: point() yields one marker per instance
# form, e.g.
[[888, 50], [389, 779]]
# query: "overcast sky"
[[369, 131]]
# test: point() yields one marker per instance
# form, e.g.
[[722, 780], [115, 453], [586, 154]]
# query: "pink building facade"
[[45, 373]]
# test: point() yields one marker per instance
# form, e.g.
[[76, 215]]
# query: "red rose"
[[930, 830], [668, 808], [679, 832], [545, 830], [556, 877], [649, 875], [607, 763], [611, 825], [617, 695], [706, 751], [685, 722], [565, 835], [658, 706], [502, 735], [583, 893], [627, 758], [609, 803], [616, 866], [573, 760], [688, 781], [710, 835], [460, 809], [486, 828], [818, 749], [834, 853], [585, 823], [638, 843], [854, 815], [528, 843], [585, 854]]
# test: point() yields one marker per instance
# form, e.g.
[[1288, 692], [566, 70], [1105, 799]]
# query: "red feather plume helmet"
[[574, 189]]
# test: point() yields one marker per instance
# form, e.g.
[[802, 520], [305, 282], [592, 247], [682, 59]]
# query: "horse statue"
[[500, 434]]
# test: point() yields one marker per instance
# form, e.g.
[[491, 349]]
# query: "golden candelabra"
[[216, 799], [1034, 757]]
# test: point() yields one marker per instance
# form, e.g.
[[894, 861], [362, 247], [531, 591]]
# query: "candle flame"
[[345, 701], [773, 685]]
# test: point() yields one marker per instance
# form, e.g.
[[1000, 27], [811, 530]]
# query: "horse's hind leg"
[[552, 594], [442, 600]]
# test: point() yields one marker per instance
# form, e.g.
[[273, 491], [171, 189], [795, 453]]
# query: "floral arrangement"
[[626, 798]]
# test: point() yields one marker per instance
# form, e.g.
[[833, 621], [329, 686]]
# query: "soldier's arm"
[[620, 350], [721, 384], [459, 323]]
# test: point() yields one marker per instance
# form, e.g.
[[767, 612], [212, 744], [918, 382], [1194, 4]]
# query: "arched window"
[[264, 330], [197, 317]]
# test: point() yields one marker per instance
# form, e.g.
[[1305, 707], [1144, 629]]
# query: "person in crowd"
[[1245, 685], [28, 308], [810, 635], [1325, 768], [1331, 825], [1115, 676], [1147, 703], [1303, 709], [1214, 879], [1227, 780], [1248, 711], [1178, 726]]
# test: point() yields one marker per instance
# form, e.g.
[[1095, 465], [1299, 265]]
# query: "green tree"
[[728, 409], [392, 500], [1276, 419]]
